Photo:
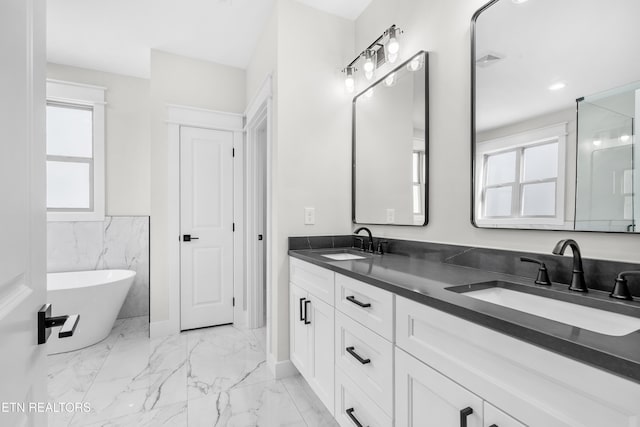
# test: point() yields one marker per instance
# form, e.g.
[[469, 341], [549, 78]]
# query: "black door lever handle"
[[46, 321], [188, 238]]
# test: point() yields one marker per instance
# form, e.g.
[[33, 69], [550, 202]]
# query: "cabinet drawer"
[[374, 374], [349, 397], [495, 417], [377, 313], [318, 281], [424, 397]]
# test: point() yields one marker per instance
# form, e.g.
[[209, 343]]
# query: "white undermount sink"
[[592, 319], [344, 256]]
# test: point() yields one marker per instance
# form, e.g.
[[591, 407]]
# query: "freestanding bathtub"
[[96, 296]]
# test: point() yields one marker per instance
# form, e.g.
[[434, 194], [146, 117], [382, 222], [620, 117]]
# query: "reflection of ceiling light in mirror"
[[369, 93], [558, 86], [597, 142], [625, 138], [390, 79], [415, 64], [518, 1]]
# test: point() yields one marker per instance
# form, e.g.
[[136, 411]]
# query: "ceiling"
[[589, 45], [118, 35], [348, 9]]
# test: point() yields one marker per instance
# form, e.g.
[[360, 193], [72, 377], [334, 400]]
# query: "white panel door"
[[206, 215], [320, 371], [299, 332], [426, 398], [22, 210]]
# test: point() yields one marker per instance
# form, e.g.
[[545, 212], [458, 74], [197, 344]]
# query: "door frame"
[[258, 113], [179, 116]]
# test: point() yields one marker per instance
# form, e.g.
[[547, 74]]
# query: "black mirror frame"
[[474, 19], [426, 142]]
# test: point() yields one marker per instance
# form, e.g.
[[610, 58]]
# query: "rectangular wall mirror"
[[391, 147], [555, 102]]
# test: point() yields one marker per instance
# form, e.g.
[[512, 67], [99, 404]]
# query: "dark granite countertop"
[[426, 281]]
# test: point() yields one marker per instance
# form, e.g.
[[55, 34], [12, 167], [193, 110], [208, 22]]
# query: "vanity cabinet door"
[[424, 397], [494, 417], [320, 369], [298, 331]]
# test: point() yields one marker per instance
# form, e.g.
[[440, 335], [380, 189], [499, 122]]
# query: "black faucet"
[[621, 287], [370, 243], [577, 276]]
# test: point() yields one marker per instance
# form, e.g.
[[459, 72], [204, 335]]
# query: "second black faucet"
[[577, 275]]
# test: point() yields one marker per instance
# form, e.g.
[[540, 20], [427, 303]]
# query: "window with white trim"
[[520, 178], [419, 179], [75, 152]]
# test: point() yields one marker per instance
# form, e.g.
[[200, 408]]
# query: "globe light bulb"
[[349, 81], [393, 47], [368, 65]]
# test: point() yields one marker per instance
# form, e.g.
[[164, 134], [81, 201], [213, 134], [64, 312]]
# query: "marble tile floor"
[[207, 377]]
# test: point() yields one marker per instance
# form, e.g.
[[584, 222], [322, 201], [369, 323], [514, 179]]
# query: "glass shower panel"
[[606, 176]]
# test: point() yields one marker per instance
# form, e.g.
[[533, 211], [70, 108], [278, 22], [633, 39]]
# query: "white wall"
[[127, 142], [443, 29], [311, 136], [190, 82]]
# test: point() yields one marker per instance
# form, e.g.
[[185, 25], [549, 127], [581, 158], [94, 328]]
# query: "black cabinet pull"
[[301, 315], [464, 413], [306, 312], [356, 302], [351, 351], [353, 417]]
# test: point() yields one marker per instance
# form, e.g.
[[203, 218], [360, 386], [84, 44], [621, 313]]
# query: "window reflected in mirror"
[[555, 101]]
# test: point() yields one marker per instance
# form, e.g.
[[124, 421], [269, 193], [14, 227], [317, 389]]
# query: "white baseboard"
[[282, 369], [162, 329]]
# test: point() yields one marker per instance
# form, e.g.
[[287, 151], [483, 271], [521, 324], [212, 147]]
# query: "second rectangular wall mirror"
[[391, 147], [555, 102]]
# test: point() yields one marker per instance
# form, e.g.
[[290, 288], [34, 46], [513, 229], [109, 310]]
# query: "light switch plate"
[[309, 216]]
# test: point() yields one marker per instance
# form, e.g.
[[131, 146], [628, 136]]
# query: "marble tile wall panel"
[[126, 245], [74, 246], [116, 243]]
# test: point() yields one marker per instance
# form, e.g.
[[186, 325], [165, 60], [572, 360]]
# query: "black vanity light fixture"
[[383, 49]]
